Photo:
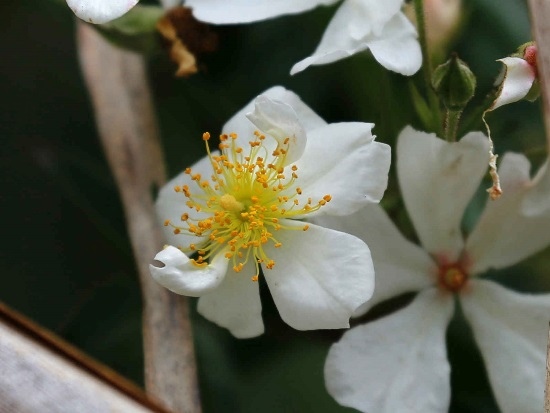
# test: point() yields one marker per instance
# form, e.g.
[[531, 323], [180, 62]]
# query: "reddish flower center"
[[452, 277]]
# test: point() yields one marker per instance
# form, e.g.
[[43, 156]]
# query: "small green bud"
[[454, 83]]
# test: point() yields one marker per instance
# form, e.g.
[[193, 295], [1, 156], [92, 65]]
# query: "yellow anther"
[[166, 222], [243, 201], [198, 264], [254, 278]]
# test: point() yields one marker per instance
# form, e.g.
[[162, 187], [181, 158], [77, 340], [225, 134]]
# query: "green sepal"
[[520, 52], [136, 30], [534, 92]]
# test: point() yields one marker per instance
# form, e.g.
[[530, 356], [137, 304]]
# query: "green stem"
[[472, 119], [452, 118], [426, 61]]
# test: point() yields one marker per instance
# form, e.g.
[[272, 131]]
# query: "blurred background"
[[65, 257]]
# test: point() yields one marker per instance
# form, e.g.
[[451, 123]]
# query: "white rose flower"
[[243, 208], [398, 363]]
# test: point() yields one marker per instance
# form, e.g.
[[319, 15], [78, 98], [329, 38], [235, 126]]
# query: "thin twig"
[[547, 389], [540, 20], [125, 119]]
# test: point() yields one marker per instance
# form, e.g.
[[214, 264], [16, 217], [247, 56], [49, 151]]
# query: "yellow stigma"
[[229, 203], [249, 194]]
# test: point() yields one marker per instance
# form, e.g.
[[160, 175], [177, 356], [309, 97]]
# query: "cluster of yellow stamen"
[[245, 200]]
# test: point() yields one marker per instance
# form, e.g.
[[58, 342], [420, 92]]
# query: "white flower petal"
[[537, 200], [170, 205], [235, 304], [511, 329], [246, 11], [183, 277], [518, 79], [359, 23], [244, 128], [100, 11], [398, 48], [342, 160], [400, 265], [397, 363], [280, 121], [168, 4], [320, 276], [494, 241], [437, 180]]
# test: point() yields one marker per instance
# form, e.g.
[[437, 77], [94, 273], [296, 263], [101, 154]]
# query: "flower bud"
[[443, 19], [519, 77], [454, 83]]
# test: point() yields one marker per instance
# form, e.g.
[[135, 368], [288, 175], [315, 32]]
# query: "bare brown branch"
[[117, 83], [540, 20], [41, 372]]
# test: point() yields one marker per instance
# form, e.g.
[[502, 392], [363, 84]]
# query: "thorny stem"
[[126, 124], [426, 61]]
